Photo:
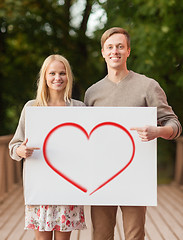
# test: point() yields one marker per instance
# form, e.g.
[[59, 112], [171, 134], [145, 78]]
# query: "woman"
[[54, 89]]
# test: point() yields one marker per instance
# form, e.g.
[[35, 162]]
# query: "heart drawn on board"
[[88, 136]]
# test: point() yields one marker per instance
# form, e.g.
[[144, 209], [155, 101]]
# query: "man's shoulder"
[[75, 102], [143, 79], [140, 76]]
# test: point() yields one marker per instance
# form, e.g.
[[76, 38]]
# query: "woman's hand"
[[24, 151], [148, 133]]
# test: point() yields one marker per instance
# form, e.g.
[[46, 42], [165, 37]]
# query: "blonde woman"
[[54, 89]]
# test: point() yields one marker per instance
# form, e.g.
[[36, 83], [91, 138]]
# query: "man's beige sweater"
[[135, 90]]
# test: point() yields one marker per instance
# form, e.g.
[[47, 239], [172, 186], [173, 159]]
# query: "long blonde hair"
[[42, 96]]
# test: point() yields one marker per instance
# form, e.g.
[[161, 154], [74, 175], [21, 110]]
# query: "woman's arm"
[[17, 145], [18, 137]]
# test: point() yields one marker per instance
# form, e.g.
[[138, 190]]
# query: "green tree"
[[30, 30]]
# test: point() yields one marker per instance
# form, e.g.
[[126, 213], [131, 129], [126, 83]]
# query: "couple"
[[120, 87]]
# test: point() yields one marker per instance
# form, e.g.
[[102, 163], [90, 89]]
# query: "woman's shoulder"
[[30, 103], [75, 102]]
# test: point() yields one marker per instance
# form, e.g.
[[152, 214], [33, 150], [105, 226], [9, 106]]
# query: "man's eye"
[[120, 47]]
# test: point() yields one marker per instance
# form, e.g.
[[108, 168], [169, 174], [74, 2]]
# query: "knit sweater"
[[19, 135], [135, 90]]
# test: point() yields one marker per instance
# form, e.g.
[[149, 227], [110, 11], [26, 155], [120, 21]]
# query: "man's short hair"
[[112, 31]]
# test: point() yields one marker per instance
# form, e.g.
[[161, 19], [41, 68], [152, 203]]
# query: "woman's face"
[[56, 77]]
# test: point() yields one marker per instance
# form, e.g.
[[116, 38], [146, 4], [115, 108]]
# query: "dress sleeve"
[[156, 97]]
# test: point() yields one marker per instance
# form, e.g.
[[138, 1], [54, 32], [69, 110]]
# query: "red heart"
[[88, 137]]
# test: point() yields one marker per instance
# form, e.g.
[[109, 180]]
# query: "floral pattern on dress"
[[54, 217]]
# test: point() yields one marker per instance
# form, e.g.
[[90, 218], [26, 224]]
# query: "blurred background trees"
[[30, 30]]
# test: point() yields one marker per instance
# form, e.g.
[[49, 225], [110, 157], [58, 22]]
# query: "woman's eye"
[[62, 73], [52, 73]]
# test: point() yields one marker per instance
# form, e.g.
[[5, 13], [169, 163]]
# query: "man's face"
[[115, 51]]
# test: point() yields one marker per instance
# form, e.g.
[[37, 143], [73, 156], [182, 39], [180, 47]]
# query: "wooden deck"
[[164, 222]]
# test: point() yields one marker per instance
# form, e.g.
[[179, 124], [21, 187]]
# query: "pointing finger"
[[136, 129], [33, 148]]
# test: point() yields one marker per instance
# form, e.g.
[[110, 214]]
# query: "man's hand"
[[24, 151], [148, 133]]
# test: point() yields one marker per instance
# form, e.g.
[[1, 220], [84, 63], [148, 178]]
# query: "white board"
[[89, 156]]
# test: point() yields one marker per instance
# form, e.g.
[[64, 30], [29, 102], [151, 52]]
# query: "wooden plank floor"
[[164, 222]]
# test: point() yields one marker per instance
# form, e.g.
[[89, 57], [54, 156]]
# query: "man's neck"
[[117, 75]]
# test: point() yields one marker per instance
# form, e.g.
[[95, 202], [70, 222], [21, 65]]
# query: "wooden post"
[[179, 161], [10, 171], [3, 187]]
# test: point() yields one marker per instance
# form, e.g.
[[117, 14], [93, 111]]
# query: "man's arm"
[[169, 126]]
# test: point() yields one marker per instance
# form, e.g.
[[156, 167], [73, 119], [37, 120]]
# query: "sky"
[[96, 20]]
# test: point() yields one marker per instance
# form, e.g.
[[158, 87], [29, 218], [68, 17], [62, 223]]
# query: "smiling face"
[[115, 52], [56, 77]]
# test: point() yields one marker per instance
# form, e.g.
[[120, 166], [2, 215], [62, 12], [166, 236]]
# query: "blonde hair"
[[112, 31], [42, 96]]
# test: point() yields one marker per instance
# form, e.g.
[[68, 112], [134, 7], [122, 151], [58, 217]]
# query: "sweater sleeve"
[[156, 97], [19, 135], [87, 98]]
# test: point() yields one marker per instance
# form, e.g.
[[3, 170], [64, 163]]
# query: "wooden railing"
[[179, 161], [10, 171]]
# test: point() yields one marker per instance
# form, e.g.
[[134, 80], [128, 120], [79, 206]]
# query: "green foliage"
[[166, 161], [30, 30]]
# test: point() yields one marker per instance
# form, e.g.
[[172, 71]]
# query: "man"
[[125, 88]]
